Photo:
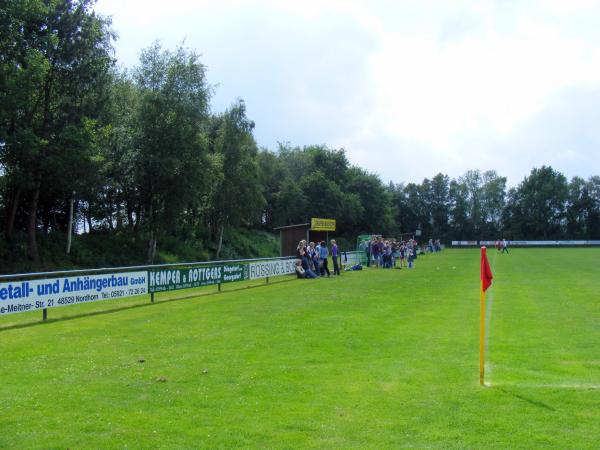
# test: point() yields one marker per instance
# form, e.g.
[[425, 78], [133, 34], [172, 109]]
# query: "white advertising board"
[[552, 243], [529, 243], [459, 243], [30, 295], [352, 258], [263, 269]]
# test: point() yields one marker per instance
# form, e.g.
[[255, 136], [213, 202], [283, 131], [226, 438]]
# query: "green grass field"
[[375, 359]]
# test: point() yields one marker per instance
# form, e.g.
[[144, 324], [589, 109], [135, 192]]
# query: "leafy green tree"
[[324, 185], [412, 209], [55, 60], [459, 221], [593, 215], [325, 198], [332, 163], [171, 168], [291, 205], [493, 201], [578, 204], [583, 208], [539, 204], [236, 197], [439, 197], [271, 176], [375, 214], [111, 197], [473, 181], [478, 201]]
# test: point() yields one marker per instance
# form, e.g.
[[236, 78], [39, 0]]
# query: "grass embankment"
[[373, 359], [125, 248]]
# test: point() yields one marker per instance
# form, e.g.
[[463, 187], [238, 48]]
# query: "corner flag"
[[486, 282], [486, 272]]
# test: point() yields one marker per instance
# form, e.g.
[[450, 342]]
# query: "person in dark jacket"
[[323, 254], [334, 257]]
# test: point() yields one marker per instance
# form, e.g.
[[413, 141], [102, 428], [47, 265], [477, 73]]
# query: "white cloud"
[[446, 86]]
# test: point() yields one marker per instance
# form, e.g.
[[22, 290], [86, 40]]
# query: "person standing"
[[504, 246], [394, 252], [402, 254], [375, 252], [323, 254], [317, 259], [411, 258], [310, 255], [334, 257], [387, 255]]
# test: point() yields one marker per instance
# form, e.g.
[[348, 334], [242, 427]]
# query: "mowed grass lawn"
[[373, 359]]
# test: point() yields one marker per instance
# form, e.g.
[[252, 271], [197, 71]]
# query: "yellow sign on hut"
[[322, 224]]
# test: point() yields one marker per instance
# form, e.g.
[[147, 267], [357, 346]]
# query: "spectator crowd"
[[312, 259]]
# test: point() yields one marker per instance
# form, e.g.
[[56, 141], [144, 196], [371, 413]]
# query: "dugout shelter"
[[315, 231]]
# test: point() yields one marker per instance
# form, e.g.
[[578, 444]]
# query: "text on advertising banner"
[[263, 269], [21, 296], [317, 224], [175, 279]]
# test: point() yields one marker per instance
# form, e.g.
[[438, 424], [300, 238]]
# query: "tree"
[[578, 203], [56, 56], [375, 214], [479, 199], [237, 195], [112, 197], [459, 221], [539, 204], [170, 161], [271, 176], [473, 181], [412, 208], [583, 208], [593, 215], [291, 204], [439, 197], [493, 200]]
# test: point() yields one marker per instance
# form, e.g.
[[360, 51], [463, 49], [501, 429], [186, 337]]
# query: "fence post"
[[45, 314]]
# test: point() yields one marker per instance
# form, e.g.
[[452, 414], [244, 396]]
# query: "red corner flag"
[[486, 272]]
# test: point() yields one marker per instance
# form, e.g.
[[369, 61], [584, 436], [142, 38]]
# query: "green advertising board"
[[362, 241], [175, 279]]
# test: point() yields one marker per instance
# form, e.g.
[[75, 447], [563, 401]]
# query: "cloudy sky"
[[407, 88]]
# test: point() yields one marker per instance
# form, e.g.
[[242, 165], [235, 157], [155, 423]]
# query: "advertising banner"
[[464, 243], [22, 296], [530, 243], [263, 269], [322, 224], [551, 243], [353, 258], [175, 279]]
